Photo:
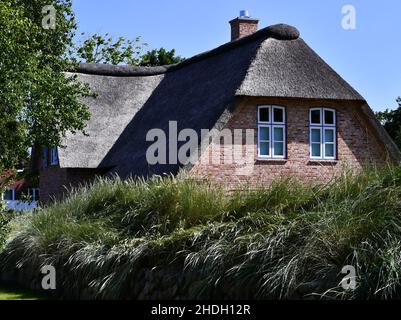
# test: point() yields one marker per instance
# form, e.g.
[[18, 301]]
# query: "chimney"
[[243, 26]]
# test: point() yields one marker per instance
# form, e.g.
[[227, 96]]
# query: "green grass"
[[8, 292], [269, 242]]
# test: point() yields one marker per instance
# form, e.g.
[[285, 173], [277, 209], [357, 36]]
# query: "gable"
[[291, 69]]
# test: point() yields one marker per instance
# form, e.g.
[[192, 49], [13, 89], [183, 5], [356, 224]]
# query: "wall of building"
[[55, 181], [51, 182], [357, 146]]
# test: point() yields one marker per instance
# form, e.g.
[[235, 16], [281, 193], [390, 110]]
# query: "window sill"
[[271, 160], [322, 162]]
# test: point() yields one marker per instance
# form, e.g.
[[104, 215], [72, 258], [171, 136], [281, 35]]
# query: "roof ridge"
[[279, 31]]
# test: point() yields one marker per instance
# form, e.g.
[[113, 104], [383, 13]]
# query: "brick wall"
[[54, 181], [243, 27], [356, 142], [51, 182], [357, 145]]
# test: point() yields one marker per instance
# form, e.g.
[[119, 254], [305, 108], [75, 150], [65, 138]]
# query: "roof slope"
[[273, 62], [292, 69], [118, 100], [194, 95]]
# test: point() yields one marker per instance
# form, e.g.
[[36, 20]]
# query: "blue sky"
[[369, 57]]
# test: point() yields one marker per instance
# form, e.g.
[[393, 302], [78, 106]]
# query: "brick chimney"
[[243, 26]]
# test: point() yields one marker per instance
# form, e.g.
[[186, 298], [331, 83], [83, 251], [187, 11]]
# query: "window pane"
[[8, 195], [264, 115], [316, 150], [329, 135], [264, 134], [279, 148], [315, 116], [328, 117], [329, 150], [278, 134], [278, 115], [264, 149], [316, 135]]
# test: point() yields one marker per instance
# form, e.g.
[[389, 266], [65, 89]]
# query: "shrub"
[[288, 240], [6, 216]]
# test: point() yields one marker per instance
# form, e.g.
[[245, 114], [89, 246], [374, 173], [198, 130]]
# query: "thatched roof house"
[[237, 85]]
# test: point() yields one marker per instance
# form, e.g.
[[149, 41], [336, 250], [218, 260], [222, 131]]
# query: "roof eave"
[[390, 145]]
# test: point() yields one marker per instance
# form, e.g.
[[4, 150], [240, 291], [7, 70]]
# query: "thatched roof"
[[197, 93], [118, 100], [292, 69]]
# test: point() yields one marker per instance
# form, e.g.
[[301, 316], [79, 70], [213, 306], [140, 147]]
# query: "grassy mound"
[[288, 240]]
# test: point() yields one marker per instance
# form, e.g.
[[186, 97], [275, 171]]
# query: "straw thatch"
[[118, 100], [273, 62]]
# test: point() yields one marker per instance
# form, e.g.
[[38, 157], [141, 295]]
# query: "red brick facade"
[[357, 146]]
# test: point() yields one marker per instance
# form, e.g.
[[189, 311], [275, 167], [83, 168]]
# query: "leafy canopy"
[[38, 103], [160, 57], [391, 120], [108, 50]]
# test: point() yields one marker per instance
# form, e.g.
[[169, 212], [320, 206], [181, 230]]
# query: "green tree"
[[38, 103], [391, 121], [105, 49], [160, 57]]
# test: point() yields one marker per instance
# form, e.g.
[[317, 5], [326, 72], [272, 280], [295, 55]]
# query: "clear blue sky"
[[369, 58]]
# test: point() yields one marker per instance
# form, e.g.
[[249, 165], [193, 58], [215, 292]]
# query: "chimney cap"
[[244, 14]]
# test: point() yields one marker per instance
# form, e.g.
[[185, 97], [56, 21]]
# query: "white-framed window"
[[53, 156], [33, 194], [9, 195], [322, 134], [271, 132]]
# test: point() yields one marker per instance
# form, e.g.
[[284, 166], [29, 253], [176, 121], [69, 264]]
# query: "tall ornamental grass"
[[288, 240]]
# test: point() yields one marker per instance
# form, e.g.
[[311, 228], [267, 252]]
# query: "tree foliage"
[[106, 49], [160, 57], [38, 103], [391, 120]]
